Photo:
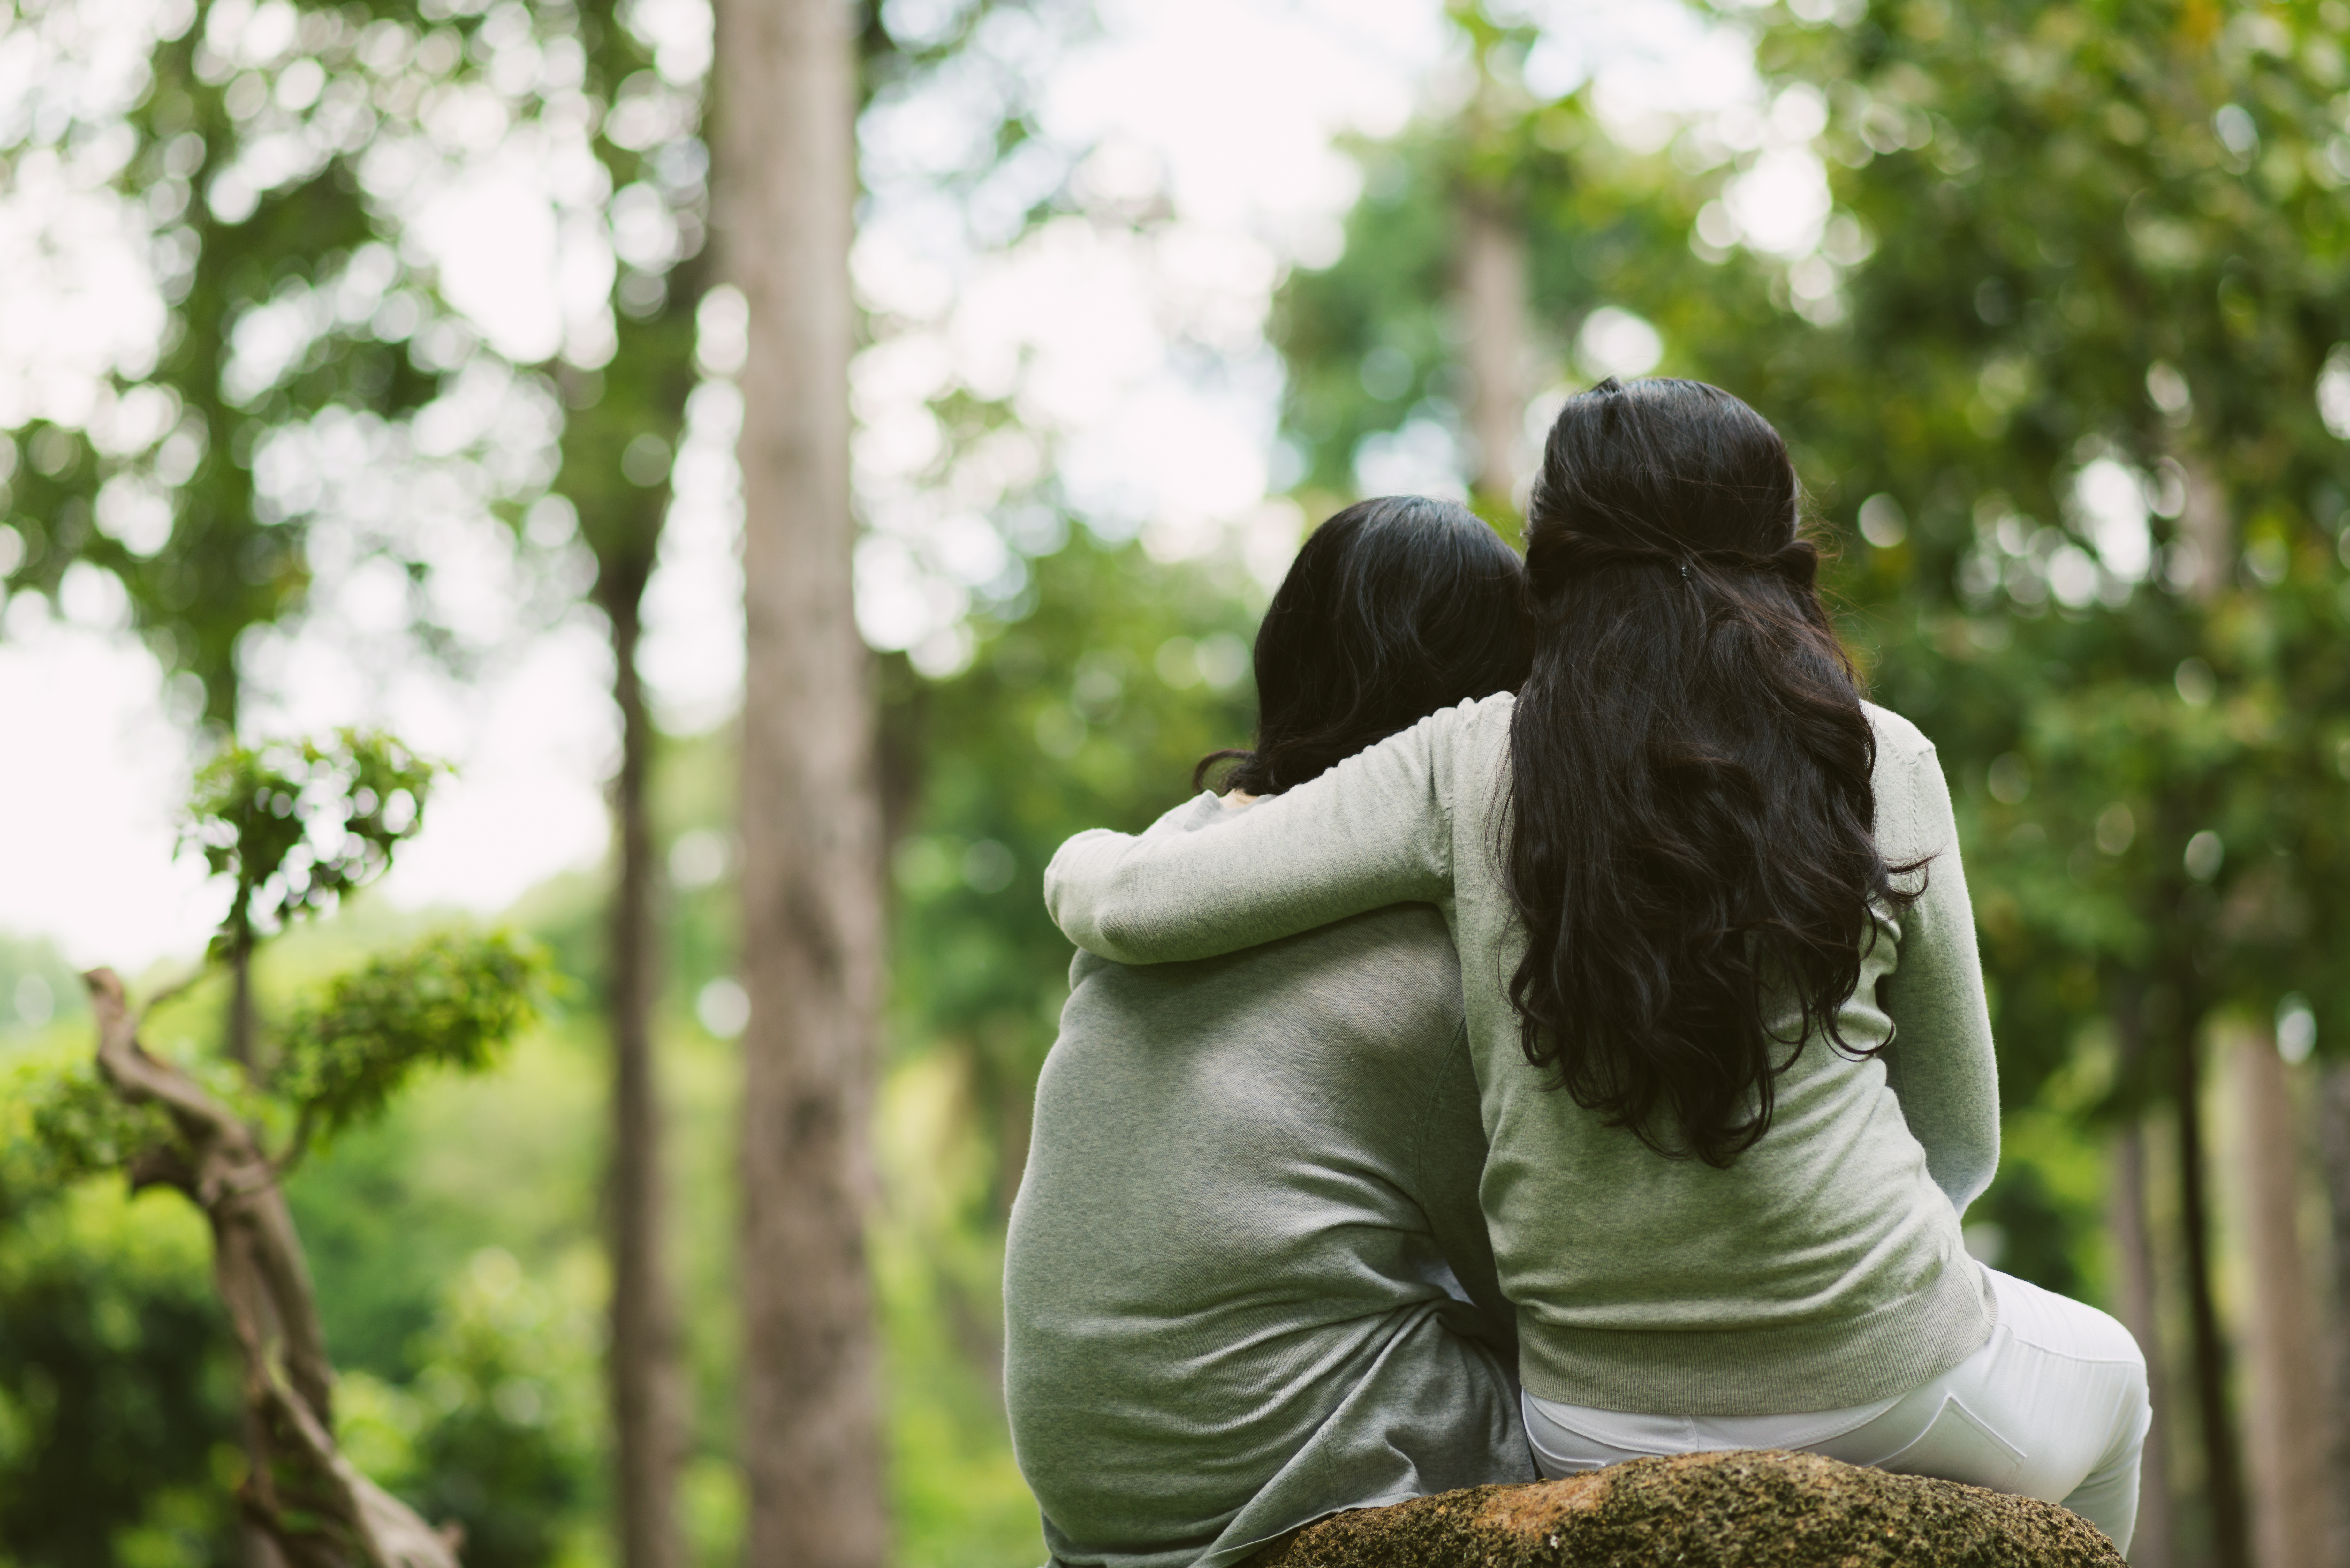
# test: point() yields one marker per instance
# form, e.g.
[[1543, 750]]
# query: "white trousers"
[[2053, 1405]]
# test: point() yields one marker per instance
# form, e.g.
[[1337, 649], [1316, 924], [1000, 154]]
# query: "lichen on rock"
[[1748, 1508]]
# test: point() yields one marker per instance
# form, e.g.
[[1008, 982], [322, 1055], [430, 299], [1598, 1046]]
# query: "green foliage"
[[1373, 341], [1378, 306], [2116, 248], [624, 415], [117, 1398], [296, 827], [957, 1495], [62, 1124], [77, 1127], [384, 1240], [299, 826], [453, 1000], [259, 204], [38, 992], [511, 1455], [1087, 703], [497, 1432]]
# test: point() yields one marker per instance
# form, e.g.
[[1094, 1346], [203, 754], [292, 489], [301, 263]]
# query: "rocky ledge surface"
[[1755, 1509]]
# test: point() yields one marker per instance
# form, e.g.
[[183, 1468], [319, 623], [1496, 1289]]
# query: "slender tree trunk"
[[2223, 1478], [2287, 1414], [810, 821], [243, 1024], [647, 1388], [1493, 297], [243, 1030], [2334, 1148], [2207, 523], [2153, 1546]]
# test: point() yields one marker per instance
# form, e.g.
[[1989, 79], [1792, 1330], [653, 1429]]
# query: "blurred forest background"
[[2051, 300]]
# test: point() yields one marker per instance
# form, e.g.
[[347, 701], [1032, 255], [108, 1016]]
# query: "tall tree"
[[2333, 1145], [643, 1365], [2138, 1297], [2286, 1414], [810, 821], [623, 424], [1494, 298], [1490, 263]]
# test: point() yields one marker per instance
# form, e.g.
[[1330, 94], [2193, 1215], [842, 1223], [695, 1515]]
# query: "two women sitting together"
[[1564, 1043]]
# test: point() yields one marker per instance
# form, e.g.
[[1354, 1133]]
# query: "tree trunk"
[[647, 1389], [2208, 523], [243, 1025], [2334, 1146], [2223, 1479], [2287, 1406], [260, 1546], [2153, 1546], [1494, 299], [810, 880], [301, 1480]]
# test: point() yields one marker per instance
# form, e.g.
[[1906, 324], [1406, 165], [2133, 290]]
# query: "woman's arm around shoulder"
[[1941, 1064], [1373, 831]]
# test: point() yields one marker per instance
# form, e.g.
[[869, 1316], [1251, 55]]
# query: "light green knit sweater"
[[1246, 1282], [1822, 1270]]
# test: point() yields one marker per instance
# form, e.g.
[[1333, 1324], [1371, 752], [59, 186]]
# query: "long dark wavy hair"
[[1692, 841], [1394, 608]]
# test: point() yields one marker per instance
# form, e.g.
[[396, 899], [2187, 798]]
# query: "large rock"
[[1754, 1509]]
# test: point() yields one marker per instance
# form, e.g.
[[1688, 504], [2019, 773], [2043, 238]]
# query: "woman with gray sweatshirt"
[[1721, 988], [1247, 1284]]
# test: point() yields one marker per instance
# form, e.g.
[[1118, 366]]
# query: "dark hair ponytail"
[[1691, 843], [1394, 608]]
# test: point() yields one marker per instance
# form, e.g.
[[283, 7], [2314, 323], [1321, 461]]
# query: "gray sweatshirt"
[[1240, 1281], [1822, 1269]]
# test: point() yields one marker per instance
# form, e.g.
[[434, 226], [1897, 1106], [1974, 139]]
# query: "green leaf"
[[453, 1000], [65, 1123], [300, 826]]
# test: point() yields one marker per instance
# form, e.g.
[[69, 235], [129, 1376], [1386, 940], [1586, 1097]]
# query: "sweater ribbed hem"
[[1769, 1370]]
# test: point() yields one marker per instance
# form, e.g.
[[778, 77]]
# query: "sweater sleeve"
[[1373, 831], [1940, 1064]]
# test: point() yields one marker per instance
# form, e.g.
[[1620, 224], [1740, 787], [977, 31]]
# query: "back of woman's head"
[[1690, 843], [1394, 608]]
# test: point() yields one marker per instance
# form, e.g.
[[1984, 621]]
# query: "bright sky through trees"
[[1134, 357]]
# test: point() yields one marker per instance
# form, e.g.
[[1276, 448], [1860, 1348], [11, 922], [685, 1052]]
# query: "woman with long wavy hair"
[[1721, 982]]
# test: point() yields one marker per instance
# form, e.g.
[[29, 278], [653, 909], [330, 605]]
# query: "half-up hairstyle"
[[1690, 846], [1394, 608]]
